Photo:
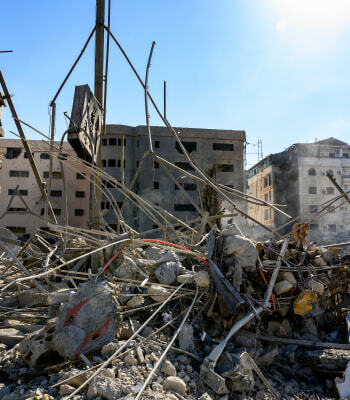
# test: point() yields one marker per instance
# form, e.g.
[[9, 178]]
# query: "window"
[[223, 146], [119, 163], [137, 143], [314, 227], [345, 155], [330, 190], [102, 205], [187, 186], [312, 190], [329, 172], [56, 193], [155, 185], [80, 194], [55, 174], [112, 141], [154, 226], [339, 172], [107, 183], [267, 181], [44, 156], [17, 229], [80, 175], [270, 195], [184, 165], [137, 164], [13, 152], [112, 163], [78, 212], [104, 142], [331, 155], [224, 168], [19, 174], [331, 209], [120, 142], [104, 163], [184, 207], [19, 210], [156, 164], [22, 192], [267, 214], [189, 146], [313, 209], [332, 228], [56, 211], [311, 172], [267, 163], [25, 155], [266, 197], [156, 144]]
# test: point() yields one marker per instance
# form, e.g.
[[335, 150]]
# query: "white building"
[[16, 172]]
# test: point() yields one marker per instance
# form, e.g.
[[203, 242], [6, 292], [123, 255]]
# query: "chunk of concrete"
[[173, 383], [107, 388], [168, 369], [10, 336], [158, 293]]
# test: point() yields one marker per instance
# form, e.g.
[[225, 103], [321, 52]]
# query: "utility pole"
[[98, 92]]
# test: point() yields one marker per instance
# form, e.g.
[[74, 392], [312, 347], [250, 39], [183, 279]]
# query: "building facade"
[[297, 178], [16, 176], [124, 146]]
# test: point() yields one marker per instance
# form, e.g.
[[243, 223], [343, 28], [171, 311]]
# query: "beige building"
[[297, 178], [17, 177], [221, 150]]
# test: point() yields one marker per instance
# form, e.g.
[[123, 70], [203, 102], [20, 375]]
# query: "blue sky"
[[279, 69]]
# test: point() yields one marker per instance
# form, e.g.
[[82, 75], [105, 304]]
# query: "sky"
[[277, 69]]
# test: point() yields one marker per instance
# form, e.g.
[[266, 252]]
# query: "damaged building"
[[297, 179], [219, 152]]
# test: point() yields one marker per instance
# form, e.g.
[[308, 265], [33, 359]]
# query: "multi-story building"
[[297, 178], [220, 150], [16, 172]]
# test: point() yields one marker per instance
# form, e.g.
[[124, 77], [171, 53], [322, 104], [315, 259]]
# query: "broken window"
[[184, 207], [154, 226], [56, 211], [120, 142], [104, 142], [56, 193], [332, 228], [104, 163], [156, 164], [330, 190], [13, 152], [55, 174], [17, 229], [119, 164], [44, 156], [80, 175], [223, 146], [156, 144], [80, 194], [187, 186], [224, 168], [312, 190], [112, 141], [311, 172], [20, 210], [25, 155], [155, 185], [267, 181], [189, 146], [331, 155], [345, 155], [112, 163], [78, 212], [22, 192], [19, 174], [184, 165]]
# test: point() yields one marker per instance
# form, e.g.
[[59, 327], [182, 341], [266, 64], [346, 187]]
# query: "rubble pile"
[[225, 318]]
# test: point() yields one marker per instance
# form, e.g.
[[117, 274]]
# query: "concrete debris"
[[218, 316]]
